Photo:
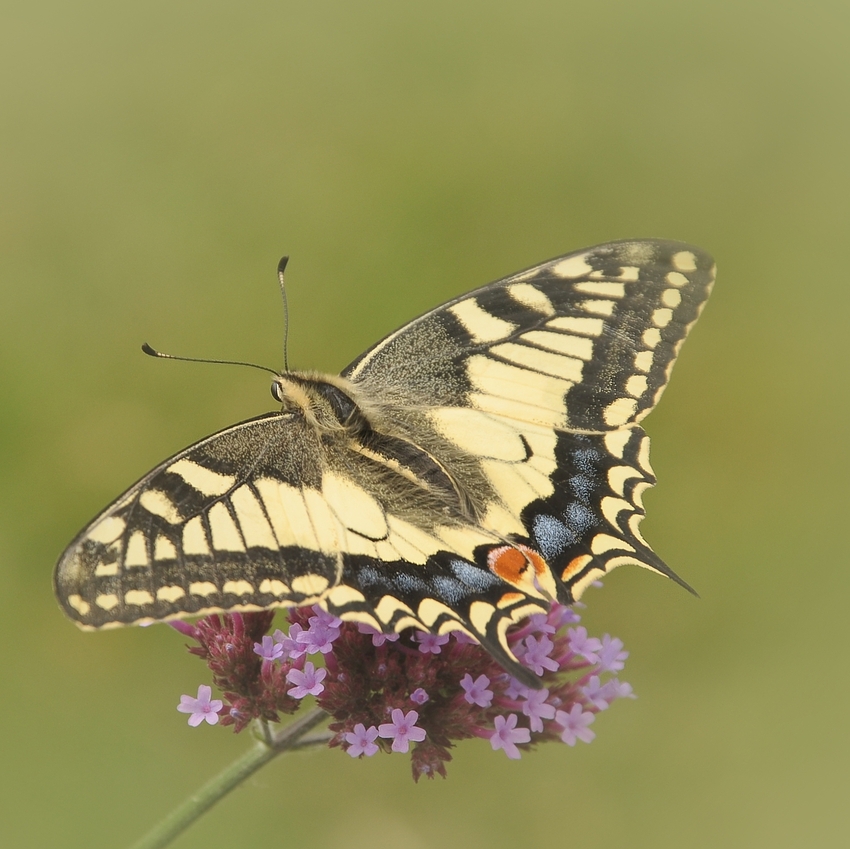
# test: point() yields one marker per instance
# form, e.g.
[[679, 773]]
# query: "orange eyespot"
[[511, 564]]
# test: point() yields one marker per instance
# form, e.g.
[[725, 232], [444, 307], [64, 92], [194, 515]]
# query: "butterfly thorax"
[[330, 405], [322, 403]]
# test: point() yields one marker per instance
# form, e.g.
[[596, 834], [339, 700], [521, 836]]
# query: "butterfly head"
[[327, 406]]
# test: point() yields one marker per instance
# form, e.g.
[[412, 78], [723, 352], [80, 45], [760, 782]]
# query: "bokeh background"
[[158, 158]]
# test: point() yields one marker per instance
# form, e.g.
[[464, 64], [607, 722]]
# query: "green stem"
[[217, 788]]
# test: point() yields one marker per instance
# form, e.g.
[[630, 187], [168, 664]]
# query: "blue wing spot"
[[552, 536], [409, 583], [450, 590], [367, 576], [579, 518], [586, 460], [472, 577], [584, 487]]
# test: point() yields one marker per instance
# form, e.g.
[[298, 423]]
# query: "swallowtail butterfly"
[[468, 469]]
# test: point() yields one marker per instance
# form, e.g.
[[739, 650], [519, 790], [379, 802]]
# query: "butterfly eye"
[[277, 392]]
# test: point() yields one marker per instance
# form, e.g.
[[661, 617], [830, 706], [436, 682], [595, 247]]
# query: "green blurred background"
[[158, 157]]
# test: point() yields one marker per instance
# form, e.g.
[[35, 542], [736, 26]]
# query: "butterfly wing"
[[585, 341], [229, 523], [531, 389]]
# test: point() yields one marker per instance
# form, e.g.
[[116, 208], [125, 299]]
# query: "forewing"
[[236, 521], [582, 342]]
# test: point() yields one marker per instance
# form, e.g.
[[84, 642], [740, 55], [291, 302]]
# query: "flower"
[[582, 645], [514, 689], [419, 696], [322, 631], [560, 616], [308, 682], [506, 735], [202, 708], [361, 741], [596, 692], [476, 692], [268, 649], [540, 622], [619, 690], [431, 642], [378, 637], [366, 680], [536, 708], [612, 658], [317, 638], [402, 730], [536, 655], [293, 647], [575, 724]]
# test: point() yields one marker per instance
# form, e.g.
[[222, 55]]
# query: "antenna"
[[281, 266], [152, 352]]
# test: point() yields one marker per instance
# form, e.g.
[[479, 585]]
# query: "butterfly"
[[479, 463]]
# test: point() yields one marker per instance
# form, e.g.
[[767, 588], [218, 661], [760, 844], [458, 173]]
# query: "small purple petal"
[[430, 643], [581, 644], [536, 655], [618, 690], [307, 682], [325, 617], [361, 741], [540, 622], [518, 648], [202, 708], [559, 616], [611, 656], [292, 647], [506, 735], [378, 637], [319, 637], [536, 708], [419, 696], [476, 692], [268, 649], [597, 693], [402, 730], [575, 725], [515, 689]]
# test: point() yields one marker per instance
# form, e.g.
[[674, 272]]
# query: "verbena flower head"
[[413, 693]]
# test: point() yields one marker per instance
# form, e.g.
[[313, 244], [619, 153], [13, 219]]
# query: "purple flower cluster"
[[414, 692]]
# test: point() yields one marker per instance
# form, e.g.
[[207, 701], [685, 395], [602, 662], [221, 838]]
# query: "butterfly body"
[[467, 470]]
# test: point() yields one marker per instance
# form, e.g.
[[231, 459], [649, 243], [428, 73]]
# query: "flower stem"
[[217, 788]]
